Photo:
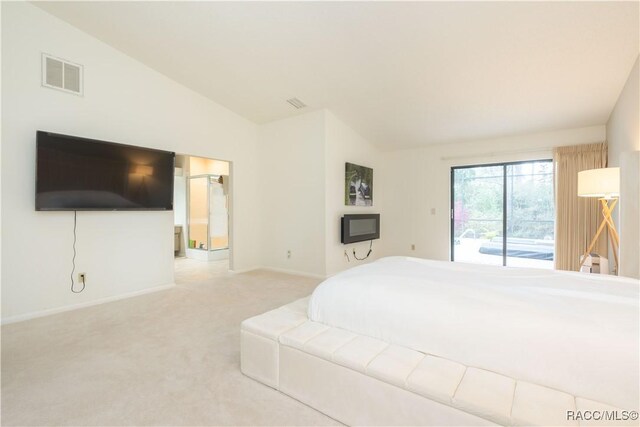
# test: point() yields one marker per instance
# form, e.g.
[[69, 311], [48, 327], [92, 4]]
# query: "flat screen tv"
[[83, 174]]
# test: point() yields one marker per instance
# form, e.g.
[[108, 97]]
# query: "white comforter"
[[574, 332]]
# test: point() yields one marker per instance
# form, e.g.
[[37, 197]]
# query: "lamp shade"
[[602, 183]]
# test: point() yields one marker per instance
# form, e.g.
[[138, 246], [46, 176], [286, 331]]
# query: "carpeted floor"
[[166, 358]]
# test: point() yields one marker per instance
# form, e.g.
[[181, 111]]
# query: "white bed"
[[425, 342]]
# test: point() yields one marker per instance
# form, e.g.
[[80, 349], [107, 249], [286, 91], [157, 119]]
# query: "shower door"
[[208, 213], [218, 214]]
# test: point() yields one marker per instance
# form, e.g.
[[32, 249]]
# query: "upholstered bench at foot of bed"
[[360, 380], [259, 340]]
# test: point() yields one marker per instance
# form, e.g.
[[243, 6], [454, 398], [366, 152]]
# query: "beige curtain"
[[577, 218]]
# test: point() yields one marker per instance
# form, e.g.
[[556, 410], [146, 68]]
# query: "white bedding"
[[574, 332]]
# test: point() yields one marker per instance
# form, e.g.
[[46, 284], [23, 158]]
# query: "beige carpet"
[[166, 358]]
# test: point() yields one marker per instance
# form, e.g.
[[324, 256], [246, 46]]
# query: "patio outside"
[[468, 250]]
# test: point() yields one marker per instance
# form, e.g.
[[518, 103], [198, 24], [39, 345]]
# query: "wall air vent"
[[296, 103], [61, 74]]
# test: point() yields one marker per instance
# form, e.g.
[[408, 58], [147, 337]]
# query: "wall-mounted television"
[[360, 228], [75, 173]]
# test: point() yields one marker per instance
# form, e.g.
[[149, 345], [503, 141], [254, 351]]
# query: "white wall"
[[291, 183], [124, 101], [343, 145], [422, 179], [302, 167], [623, 135]]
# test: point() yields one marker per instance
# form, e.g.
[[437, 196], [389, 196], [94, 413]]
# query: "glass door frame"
[[505, 220], [207, 177], [189, 178]]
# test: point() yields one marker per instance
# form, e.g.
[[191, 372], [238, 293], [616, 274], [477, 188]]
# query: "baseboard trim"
[[244, 270], [295, 272], [57, 310], [280, 270]]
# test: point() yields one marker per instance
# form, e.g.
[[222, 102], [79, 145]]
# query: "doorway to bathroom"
[[202, 202]]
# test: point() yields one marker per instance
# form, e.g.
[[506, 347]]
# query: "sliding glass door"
[[503, 214], [477, 214]]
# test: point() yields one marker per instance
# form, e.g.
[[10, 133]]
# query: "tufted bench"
[[362, 380]]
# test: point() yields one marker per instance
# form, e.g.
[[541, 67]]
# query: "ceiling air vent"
[[296, 103], [61, 74]]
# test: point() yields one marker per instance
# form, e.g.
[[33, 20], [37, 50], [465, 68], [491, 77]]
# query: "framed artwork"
[[358, 185]]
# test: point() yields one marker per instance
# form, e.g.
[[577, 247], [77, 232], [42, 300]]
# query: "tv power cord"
[[73, 260]]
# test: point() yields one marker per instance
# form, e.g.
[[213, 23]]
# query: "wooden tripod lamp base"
[[607, 221], [605, 185]]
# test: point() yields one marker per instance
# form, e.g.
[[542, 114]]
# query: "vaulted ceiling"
[[401, 74]]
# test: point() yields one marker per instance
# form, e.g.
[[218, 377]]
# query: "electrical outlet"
[[288, 254], [82, 277], [413, 247]]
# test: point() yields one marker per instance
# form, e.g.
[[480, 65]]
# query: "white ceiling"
[[401, 74]]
